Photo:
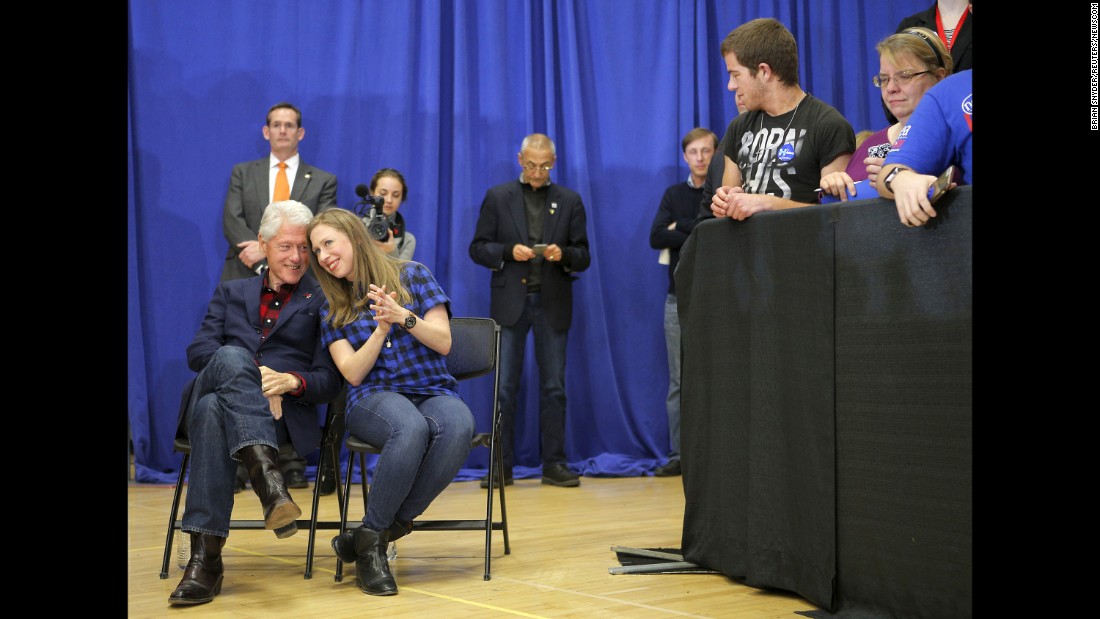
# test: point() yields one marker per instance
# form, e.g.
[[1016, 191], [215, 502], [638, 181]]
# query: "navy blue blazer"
[[249, 194], [294, 344], [503, 223]]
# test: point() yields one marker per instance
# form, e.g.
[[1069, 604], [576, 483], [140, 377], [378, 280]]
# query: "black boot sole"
[[568, 483], [386, 592], [172, 599], [286, 531]]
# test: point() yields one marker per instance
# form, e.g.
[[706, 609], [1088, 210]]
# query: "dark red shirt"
[[271, 303]]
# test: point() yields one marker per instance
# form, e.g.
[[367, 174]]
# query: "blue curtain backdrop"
[[445, 91]]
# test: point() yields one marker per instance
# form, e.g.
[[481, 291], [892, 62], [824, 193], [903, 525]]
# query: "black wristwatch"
[[890, 177], [410, 321]]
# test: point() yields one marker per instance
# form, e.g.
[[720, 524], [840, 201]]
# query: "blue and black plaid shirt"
[[404, 364]]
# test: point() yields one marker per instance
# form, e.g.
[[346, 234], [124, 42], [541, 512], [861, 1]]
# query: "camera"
[[378, 225]]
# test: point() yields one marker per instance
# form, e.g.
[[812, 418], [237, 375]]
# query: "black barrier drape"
[[756, 314], [835, 467], [904, 410]]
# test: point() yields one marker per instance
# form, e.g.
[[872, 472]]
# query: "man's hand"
[[277, 383], [721, 203], [552, 253], [743, 205], [522, 253], [276, 403], [250, 253], [838, 185]]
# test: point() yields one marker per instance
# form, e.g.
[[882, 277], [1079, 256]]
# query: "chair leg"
[[326, 442], [363, 479], [344, 514], [172, 517], [503, 507], [491, 479]]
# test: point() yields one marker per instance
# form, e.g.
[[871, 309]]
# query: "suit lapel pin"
[[309, 295], [307, 175], [553, 207]]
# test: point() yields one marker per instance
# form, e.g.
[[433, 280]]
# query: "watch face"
[[410, 322]]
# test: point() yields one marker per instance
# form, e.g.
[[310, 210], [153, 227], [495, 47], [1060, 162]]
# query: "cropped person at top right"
[[953, 23]]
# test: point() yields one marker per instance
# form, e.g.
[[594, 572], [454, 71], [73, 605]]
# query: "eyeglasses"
[[530, 167], [901, 78]]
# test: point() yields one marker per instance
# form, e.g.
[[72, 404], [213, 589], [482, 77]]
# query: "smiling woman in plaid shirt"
[[387, 327]]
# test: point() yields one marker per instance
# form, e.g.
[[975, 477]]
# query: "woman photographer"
[[390, 185]]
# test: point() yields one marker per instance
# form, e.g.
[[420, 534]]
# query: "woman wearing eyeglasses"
[[910, 62]]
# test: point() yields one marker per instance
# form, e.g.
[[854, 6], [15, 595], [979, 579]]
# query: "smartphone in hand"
[[942, 185], [539, 248]]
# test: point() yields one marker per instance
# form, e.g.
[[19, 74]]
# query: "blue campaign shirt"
[[404, 364], [940, 131]]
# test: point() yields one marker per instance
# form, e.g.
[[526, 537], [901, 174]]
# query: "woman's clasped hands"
[[385, 306]]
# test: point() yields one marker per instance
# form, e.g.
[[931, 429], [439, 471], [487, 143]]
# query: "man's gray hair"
[[286, 212]]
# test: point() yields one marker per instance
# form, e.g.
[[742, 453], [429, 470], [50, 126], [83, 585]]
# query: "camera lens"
[[377, 227]]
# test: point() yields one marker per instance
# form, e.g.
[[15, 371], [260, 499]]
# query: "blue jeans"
[[226, 413], [672, 402], [424, 439], [550, 345]]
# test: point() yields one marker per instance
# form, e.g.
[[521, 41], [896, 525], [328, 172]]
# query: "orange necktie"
[[282, 187]]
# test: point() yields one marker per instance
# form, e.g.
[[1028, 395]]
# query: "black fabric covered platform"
[[827, 405]]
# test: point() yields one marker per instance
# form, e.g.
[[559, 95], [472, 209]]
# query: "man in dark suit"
[[259, 358], [531, 234], [252, 186]]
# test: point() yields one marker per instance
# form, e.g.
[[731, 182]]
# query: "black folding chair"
[[475, 351], [183, 445]]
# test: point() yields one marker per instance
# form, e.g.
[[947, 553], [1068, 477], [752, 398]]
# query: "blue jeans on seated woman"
[[425, 440]]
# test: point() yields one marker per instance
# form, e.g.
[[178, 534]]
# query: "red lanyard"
[[955, 33]]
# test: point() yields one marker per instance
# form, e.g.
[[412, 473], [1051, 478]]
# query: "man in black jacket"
[[531, 234]]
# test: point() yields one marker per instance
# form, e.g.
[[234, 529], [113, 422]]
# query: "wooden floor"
[[561, 542]]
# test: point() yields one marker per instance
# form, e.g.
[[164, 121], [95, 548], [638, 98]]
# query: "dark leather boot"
[[372, 571], [344, 543], [202, 579], [280, 511]]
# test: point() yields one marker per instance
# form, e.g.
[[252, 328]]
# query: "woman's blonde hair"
[[347, 298], [923, 45]]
